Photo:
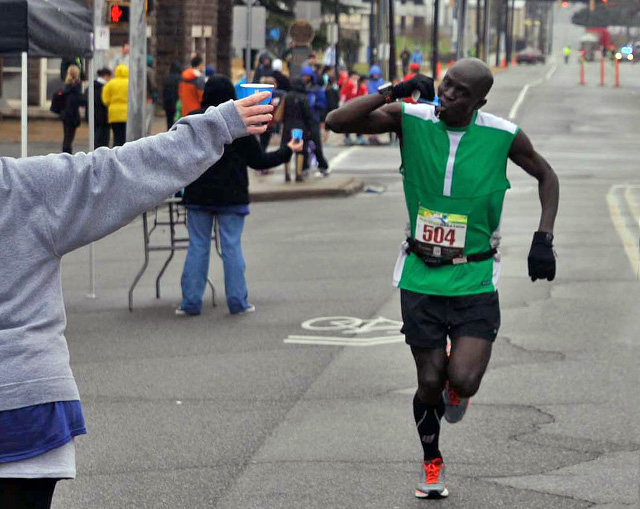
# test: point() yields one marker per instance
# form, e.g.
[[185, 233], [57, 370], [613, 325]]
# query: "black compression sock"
[[428, 423]]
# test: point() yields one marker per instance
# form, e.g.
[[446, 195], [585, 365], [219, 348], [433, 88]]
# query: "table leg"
[[145, 230]]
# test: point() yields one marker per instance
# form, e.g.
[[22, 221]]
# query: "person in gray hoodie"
[[49, 206]]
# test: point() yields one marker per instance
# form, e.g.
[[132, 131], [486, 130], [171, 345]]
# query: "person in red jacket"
[[348, 91], [414, 69], [192, 86]]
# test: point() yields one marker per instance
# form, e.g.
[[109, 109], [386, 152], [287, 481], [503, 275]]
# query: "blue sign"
[[274, 34]]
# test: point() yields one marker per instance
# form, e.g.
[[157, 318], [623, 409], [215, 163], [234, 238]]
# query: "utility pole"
[[511, 28], [99, 13], [478, 29], [247, 63], [392, 41], [498, 32], [462, 18], [507, 40], [486, 32], [382, 30], [434, 38], [337, 55], [137, 70], [373, 47]]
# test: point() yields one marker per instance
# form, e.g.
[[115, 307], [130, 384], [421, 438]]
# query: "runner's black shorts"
[[429, 319]]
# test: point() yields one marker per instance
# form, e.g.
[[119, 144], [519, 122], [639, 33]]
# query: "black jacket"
[[99, 109], [297, 114], [227, 181], [170, 88], [282, 81], [73, 99]]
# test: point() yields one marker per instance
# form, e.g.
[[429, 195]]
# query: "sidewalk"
[[269, 187]]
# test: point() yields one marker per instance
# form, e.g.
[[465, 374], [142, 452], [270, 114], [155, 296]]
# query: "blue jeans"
[[196, 265]]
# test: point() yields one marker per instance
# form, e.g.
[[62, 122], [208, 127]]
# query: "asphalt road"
[[246, 412]]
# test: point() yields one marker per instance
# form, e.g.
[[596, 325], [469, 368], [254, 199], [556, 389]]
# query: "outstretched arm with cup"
[[87, 196], [258, 159], [378, 113]]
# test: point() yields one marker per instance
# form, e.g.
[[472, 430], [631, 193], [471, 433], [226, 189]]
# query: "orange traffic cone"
[[503, 63], [438, 70]]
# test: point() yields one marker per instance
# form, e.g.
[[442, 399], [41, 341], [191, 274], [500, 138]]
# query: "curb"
[[265, 190]]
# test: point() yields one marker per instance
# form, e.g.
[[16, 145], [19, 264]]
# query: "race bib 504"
[[440, 234]]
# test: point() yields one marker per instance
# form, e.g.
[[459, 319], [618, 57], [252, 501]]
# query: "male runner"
[[454, 161]]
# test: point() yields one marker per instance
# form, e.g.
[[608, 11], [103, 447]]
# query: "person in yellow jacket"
[[115, 97]]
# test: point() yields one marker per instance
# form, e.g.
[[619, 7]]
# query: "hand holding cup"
[[296, 144], [255, 116]]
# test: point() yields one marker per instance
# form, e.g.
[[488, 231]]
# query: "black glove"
[[420, 82], [542, 257]]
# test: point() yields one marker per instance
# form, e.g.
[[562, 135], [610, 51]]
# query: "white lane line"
[[341, 156], [629, 240], [341, 341], [551, 71], [516, 105]]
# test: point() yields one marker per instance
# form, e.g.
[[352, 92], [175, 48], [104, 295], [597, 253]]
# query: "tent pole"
[[92, 145], [95, 62], [24, 110]]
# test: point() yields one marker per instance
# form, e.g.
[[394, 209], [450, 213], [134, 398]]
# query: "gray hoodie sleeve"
[[88, 196]]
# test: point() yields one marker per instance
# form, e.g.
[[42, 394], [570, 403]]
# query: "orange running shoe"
[[455, 405], [431, 483]]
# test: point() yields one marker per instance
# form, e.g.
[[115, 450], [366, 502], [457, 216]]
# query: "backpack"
[[57, 102]]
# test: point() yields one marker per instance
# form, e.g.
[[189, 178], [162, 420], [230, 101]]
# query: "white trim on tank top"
[[454, 141]]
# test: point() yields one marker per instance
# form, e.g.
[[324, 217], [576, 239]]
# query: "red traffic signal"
[[115, 13], [565, 5]]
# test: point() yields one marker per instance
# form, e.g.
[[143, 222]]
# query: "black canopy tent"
[[41, 29], [46, 28]]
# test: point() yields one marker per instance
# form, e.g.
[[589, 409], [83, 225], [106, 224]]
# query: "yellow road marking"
[[630, 240]]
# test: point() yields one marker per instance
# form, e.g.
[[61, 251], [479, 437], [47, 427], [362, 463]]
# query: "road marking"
[[341, 156], [362, 332], [633, 205], [516, 105], [551, 71], [630, 242], [341, 341]]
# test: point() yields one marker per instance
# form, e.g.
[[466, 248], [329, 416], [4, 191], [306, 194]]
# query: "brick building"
[[180, 27]]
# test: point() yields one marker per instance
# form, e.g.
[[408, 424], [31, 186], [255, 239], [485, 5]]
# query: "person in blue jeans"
[[223, 191]]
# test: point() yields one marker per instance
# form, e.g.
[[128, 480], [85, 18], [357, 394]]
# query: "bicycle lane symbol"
[[349, 331]]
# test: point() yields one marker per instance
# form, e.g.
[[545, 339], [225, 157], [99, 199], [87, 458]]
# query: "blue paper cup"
[[296, 134], [256, 88]]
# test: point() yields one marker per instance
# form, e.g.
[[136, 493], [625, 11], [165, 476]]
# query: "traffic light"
[[565, 5], [117, 13]]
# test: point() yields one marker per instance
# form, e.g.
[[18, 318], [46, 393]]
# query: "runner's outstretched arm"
[[524, 155], [368, 114]]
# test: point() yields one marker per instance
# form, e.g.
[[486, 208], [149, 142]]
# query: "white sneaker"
[[182, 312], [250, 309]]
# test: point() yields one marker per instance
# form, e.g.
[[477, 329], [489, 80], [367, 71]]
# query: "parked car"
[[530, 56], [626, 53]]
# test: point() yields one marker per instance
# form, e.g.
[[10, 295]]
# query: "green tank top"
[[454, 184]]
